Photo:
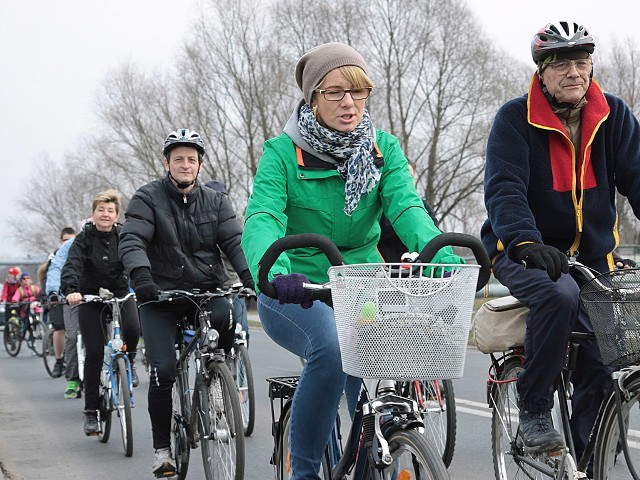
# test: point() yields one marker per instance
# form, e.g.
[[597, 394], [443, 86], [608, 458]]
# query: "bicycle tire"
[[38, 333], [436, 401], [413, 457], [607, 450], [105, 408], [180, 443], [244, 383], [222, 435], [48, 353], [12, 336], [123, 393]]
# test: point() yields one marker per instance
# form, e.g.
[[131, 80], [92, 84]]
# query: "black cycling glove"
[[143, 285], [544, 257]]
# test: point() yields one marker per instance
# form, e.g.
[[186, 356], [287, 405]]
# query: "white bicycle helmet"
[[185, 137]]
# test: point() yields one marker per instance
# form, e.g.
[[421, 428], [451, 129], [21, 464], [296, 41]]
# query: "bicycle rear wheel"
[[38, 334], [609, 461], [123, 393], [222, 432], [244, 383], [180, 443], [12, 336], [105, 408], [283, 451], [414, 457], [48, 353], [436, 401]]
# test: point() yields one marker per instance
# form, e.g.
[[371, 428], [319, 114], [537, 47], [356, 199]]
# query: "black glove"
[[247, 280], [544, 257], [290, 290], [625, 263], [143, 285]]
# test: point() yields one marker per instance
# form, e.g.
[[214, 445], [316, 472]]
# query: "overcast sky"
[[54, 55]]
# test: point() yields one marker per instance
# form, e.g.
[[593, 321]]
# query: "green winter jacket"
[[289, 198]]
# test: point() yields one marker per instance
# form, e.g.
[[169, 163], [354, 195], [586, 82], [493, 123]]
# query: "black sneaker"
[[58, 368], [536, 433], [91, 426]]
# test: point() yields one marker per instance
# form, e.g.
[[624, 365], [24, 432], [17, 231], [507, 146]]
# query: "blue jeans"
[[310, 333]]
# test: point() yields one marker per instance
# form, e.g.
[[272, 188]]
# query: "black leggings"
[[91, 319], [159, 327]]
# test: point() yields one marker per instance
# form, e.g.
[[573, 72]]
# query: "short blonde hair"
[[108, 196]]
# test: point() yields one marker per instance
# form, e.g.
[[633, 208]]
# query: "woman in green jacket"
[[331, 173]]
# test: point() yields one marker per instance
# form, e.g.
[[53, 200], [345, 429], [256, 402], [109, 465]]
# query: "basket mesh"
[[612, 301], [402, 328]]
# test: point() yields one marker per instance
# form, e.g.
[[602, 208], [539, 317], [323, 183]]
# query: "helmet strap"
[[183, 185]]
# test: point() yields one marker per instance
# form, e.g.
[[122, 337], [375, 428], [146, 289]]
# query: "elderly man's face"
[[568, 80]]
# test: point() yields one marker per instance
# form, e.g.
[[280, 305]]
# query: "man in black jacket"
[[171, 239]]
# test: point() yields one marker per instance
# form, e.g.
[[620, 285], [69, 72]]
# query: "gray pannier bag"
[[500, 324]]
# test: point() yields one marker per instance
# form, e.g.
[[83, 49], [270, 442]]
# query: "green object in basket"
[[368, 312]]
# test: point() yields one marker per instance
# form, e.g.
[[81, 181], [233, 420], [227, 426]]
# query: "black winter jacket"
[[93, 262], [179, 237]]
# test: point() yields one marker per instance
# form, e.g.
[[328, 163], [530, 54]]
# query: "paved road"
[[41, 433]]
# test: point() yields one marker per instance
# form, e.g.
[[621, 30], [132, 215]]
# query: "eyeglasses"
[[564, 65], [337, 95]]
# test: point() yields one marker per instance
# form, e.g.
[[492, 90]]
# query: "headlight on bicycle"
[[209, 339]]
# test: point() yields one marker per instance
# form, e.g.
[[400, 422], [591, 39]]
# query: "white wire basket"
[[403, 328]]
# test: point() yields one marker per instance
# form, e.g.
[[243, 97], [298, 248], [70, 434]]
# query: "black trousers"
[[159, 327]]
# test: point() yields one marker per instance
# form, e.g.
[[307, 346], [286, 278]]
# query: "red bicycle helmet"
[[15, 271], [560, 36]]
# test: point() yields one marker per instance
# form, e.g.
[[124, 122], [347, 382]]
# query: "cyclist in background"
[[239, 304], [172, 238], [10, 285], [332, 173], [60, 316], [94, 263], [26, 292], [555, 158]]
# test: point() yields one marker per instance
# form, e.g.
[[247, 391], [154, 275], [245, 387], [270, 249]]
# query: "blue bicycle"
[[116, 390]]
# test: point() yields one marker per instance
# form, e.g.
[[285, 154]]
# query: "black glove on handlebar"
[[247, 280], [143, 285], [544, 257], [290, 290]]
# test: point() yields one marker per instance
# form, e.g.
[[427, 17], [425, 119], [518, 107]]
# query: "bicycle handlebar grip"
[[283, 244], [460, 240]]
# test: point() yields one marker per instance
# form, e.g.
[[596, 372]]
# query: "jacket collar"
[[540, 113]]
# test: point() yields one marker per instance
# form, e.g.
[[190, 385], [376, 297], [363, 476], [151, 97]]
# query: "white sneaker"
[[163, 464]]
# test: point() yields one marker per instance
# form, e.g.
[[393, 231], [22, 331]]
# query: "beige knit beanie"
[[317, 62]]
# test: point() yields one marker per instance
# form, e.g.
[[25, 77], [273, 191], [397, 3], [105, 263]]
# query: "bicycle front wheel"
[[222, 432], [609, 461], [244, 383], [48, 354], [181, 449], [106, 407], [38, 335], [413, 457], [123, 394], [12, 336]]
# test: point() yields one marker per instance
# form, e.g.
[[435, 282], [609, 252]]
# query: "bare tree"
[[619, 74]]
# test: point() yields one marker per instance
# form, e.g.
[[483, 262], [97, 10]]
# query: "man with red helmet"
[[555, 159]]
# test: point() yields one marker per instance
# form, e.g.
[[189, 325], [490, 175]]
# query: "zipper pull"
[[184, 199]]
